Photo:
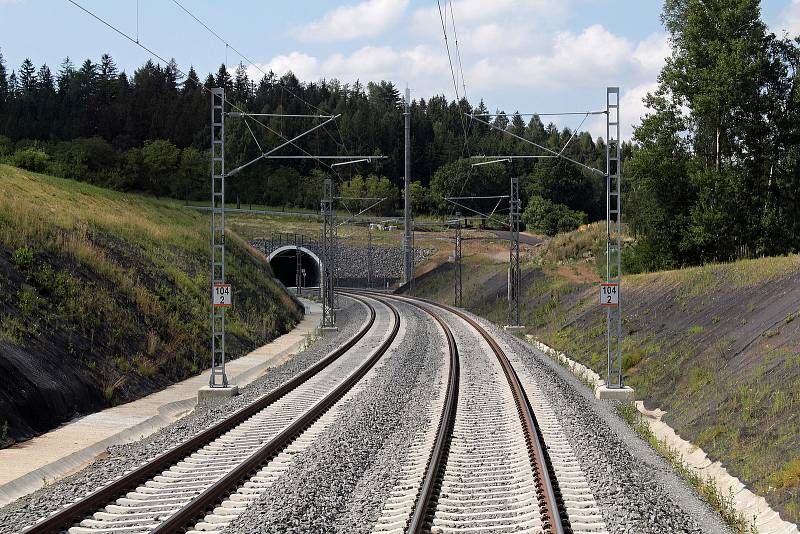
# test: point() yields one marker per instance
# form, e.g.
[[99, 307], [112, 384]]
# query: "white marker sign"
[[609, 294], [223, 296]]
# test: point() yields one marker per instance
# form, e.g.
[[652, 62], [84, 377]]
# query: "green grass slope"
[[717, 347], [105, 299]]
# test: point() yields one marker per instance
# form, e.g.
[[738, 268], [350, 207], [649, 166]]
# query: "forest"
[[150, 132], [712, 172]]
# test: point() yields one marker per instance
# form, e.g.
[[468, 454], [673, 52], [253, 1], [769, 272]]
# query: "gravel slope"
[[125, 457]]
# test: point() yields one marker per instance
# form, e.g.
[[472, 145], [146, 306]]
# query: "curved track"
[[489, 470], [169, 492]]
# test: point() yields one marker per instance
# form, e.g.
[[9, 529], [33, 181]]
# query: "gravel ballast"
[[26, 510], [340, 482], [637, 491]]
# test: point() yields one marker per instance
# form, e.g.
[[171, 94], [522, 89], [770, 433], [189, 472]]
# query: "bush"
[[31, 159], [23, 258], [550, 218], [6, 146]]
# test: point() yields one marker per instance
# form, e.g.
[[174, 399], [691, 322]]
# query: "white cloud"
[[582, 62], [518, 19], [652, 52], [303, 66], [420, 64], [790, 19], [575, 61], [366, 19]]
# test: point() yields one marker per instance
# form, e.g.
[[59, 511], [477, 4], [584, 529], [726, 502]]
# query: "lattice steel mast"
[[218, 377], [328, 233], [369, 258], [514, 279], [457, 264], [408, 267], [613, 236]]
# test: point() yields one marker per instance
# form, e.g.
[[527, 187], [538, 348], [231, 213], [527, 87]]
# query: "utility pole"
[[218, 378], [613, 241], [513, 260], [457, 262], [409, 262]]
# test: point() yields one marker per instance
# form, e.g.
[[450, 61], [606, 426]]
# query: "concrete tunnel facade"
[[283, 261]]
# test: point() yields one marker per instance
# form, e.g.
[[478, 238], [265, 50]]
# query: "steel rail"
[[67, 516], [551, 505], [227, 484], [418, 522]]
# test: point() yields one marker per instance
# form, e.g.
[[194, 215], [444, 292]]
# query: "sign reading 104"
[[609, 294], [222, 295]]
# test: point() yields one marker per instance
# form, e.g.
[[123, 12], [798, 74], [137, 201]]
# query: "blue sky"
[[527, 55]]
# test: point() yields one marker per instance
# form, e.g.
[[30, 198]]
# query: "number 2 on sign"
[[222, 296], [609, 295]]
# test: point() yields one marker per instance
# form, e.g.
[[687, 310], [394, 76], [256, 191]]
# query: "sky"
[[543, 56]]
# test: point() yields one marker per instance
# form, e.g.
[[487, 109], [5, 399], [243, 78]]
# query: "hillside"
[[717, 347], [105, 299]]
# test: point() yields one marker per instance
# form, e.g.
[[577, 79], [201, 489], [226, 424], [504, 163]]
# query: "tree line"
[[712, 172], [150, 132]]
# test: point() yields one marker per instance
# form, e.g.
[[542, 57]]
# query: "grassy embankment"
[[105, 298], [717, 347]]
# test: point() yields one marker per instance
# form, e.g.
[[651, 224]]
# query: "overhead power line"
[[182, 73], [442, 16], [257, 67]]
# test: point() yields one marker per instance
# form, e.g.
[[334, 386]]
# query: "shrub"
[[23, 258], [32, 159], [550, 218]]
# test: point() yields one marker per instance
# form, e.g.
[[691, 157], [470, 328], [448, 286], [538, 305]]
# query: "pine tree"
[[241, 86], [27, 77], [13, 85], [44, 79], [3, 86], [223, 79], [65, 74]]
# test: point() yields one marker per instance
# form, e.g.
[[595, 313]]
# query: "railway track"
[[488, 469], [482, 465], [171, 492]]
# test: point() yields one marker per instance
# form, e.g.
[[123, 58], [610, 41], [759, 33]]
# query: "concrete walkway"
[[26, 467]]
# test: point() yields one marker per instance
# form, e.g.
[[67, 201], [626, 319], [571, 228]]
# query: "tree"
[[193, 174], [160, 164], [546, 217], [27, 77], [419, 197], [3, 85], [710, 178]]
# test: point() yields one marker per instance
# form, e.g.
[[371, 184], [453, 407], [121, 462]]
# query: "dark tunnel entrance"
[[284, 265]]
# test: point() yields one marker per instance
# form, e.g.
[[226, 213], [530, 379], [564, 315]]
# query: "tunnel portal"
[[284, 264]]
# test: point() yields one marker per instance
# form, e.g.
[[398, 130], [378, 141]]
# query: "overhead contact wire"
[[182, 73]]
